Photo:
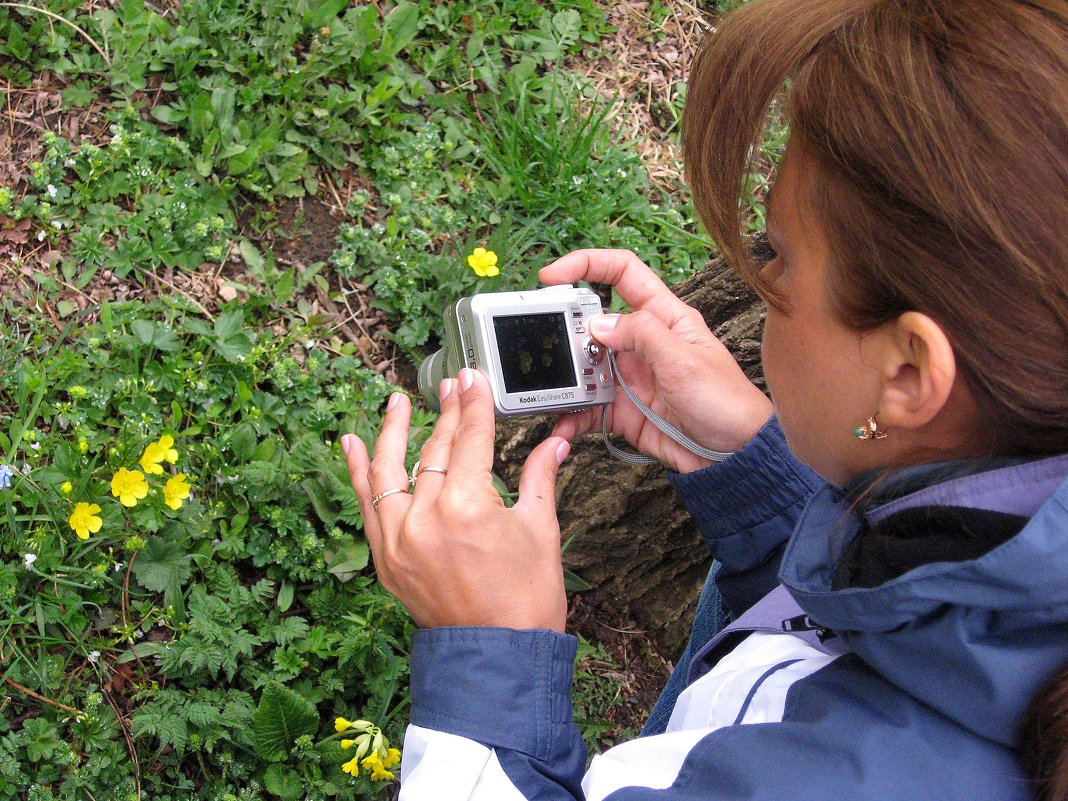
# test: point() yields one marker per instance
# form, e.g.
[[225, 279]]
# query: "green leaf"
[[243, 442], [574, 583], [323, 504], [156, 336], [42, 739], [348, 559], [168, 115], [283, 782], [161, 563], [281, 717], [401, 25], [285, 597], [231, 341], [324, 12]]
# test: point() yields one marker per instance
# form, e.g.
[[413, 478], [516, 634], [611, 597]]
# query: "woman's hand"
[[667, 355], [451, 551]]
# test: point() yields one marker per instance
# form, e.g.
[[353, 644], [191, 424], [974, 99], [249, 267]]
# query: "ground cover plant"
[[187, 608]]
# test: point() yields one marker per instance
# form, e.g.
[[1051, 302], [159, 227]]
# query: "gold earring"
[[870, 430]]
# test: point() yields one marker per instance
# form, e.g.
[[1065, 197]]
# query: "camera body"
[[534, 347]]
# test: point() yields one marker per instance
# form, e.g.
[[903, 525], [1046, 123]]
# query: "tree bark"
[[633, 542]]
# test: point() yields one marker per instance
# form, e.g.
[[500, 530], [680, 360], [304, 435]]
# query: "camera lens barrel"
[[431, 374]]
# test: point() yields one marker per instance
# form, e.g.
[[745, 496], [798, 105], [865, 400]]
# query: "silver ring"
[[376, 498], [416, 470]]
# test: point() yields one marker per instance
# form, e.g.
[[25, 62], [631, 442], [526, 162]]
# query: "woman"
[[907, 484]]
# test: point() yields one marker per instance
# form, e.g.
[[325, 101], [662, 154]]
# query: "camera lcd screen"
[[535, 351]]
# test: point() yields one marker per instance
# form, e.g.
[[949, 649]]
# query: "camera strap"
[[656, 420]]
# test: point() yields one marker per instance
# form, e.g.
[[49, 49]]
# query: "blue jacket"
[[909, 689]]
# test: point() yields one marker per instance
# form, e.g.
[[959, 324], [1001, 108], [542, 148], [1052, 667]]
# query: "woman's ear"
[[917, 368]]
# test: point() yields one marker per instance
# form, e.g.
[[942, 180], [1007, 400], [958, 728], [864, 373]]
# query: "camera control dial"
[[593, 351]]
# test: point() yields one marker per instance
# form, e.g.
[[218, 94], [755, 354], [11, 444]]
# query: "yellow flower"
[[483, 262], [373, 763], [175, 491], [66, 488], [391, 758], [352, 767], [84, 521], [340, 724], [129, 486], [347, 744], [157, 452], [83, 446]]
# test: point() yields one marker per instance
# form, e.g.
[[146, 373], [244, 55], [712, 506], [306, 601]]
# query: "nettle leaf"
[[160, 564], [283, 782], [281, 717]]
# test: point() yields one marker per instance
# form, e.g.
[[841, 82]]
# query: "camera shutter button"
[[593, 351]]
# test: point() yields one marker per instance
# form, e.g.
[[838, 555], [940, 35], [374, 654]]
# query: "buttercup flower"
[[157, 452], [484, 263], [175, 491], [83, 446], [83, 520], [5, 476], [129, 486], [66, 488]]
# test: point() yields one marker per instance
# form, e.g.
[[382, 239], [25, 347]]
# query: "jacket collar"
[[974, 639]]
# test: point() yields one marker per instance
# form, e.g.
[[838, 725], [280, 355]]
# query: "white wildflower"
[[28, 560]]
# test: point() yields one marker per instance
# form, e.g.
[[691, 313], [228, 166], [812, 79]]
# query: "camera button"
[[593, 351], [591, 387], [587, 371], [604, 378]]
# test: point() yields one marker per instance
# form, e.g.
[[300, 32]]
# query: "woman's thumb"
[[638, 331], [537, 482]]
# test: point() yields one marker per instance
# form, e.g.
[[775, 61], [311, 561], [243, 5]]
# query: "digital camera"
[[534, 347]]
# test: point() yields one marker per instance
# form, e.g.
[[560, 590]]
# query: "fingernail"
[[393, 400], [346, 444], [562, 450], [445, 388], [467, 378], [603, 323]]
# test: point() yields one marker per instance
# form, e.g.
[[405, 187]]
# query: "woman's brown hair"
[[939, 131]]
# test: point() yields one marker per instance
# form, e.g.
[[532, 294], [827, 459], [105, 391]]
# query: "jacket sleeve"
[[491, 717], [746, 508]]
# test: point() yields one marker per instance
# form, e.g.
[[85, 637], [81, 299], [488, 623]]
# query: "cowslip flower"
[[373, 763], [83, 520], [483, 262], [175, 491], [6, 474], [340, 725], [157, 452], [129, 486], [373, 753]]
